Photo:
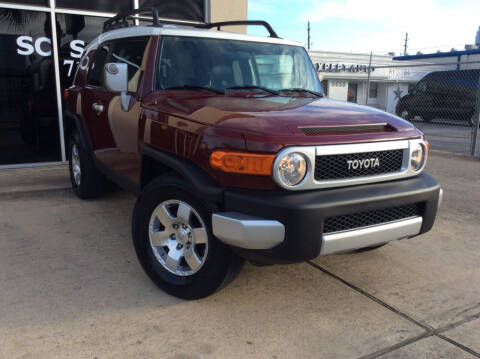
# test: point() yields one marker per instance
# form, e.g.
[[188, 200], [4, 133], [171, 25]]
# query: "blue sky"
[[372, 25]]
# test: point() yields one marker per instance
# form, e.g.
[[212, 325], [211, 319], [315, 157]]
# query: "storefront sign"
[[353, 68], [26, 46]]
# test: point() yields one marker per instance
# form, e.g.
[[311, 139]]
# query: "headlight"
[[292, 169], [417, 159]]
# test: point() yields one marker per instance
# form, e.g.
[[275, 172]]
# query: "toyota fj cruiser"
[[234, 152]]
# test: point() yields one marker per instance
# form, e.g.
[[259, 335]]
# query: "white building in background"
[[345, 77]]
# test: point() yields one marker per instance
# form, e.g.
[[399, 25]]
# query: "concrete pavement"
[[71, 286]]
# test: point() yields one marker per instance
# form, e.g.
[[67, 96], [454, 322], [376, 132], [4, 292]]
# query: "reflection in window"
[[130, 52], [192, 10], [29, 2], [75, 33], [28, 107], [95, 76], [220, 64], [96, 5]]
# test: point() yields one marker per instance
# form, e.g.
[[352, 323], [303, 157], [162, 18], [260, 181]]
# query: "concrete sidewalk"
[[71, 286], [32, 180]]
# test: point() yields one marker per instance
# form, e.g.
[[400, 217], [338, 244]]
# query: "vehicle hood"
[[290, 120]]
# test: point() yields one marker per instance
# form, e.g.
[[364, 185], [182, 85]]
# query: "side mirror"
[[116, 80]]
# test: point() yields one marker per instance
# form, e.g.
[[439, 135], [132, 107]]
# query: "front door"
[[115, 130]]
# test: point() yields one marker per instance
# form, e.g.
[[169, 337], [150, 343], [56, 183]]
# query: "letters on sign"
[[27, 45]]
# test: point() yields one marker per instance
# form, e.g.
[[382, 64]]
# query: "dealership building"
[[345, 77], [32, 80]]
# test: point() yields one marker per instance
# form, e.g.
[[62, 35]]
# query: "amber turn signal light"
[[244, 163]]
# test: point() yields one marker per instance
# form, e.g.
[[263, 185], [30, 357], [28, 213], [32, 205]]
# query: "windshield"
[[222, 64]]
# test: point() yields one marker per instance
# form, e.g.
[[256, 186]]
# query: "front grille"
[[370, 218], [333, 167]]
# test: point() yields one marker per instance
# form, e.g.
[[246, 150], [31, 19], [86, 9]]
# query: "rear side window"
[[130, 51], [95, 76]]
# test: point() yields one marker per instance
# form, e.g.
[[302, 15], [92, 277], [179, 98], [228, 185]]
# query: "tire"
[[369, 249], [87, 181], [405, 114], [187, 262]]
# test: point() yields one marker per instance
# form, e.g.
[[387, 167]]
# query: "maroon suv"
[[234, 153]]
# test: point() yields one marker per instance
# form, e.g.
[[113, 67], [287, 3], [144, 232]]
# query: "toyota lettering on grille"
[[363, 163]]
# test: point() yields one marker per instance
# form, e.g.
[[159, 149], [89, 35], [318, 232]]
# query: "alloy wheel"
[[76, 169], [178, 237]]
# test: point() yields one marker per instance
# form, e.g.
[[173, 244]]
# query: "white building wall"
[[392, 97], [382, 96], [338, 89]]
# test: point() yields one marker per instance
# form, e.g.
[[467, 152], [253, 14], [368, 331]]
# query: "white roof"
[[174, 30]]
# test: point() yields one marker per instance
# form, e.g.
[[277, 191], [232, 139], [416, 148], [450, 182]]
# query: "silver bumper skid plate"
[[249, 232]]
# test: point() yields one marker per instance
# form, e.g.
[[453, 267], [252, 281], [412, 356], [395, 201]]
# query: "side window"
[[95, 77], [130, 51], [422, 87]]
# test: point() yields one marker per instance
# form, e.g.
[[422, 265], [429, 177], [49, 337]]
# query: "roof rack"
[[121, 20], [218, 25], [151, 14]]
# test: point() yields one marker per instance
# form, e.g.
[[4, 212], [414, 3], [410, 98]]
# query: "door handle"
[[98, 108]]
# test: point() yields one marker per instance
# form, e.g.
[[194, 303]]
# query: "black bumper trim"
[[303, 213]]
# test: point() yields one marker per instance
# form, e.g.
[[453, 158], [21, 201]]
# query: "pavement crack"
[[427, 328], [429, 331], [458, 345], [393, 347], [458, 323]]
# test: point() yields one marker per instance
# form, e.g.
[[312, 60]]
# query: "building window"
[[28, 2], [75, 32], [373, 90], [352, 92], [325, 87], [28, 103], [96, 5], [191, 10]]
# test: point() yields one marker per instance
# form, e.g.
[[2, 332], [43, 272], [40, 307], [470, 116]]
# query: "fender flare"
[[200, 182], [79, 124]]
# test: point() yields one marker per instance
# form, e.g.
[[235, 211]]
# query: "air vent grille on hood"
[[362, 128]]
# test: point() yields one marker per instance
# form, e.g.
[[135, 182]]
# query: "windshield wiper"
[[252, 87], [302, 90], [194, 88]]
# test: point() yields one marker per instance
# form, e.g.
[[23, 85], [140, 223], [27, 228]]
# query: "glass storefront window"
[[29, 122], [75, 32], [191, 10], [28, 2], [28, 107], [96, 5]]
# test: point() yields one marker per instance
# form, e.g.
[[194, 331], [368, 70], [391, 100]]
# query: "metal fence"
[[441, 99]]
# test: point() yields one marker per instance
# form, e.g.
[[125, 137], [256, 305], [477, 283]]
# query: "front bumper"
[[284, 227]]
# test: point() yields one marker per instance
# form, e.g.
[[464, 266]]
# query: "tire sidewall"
[[210, 276]]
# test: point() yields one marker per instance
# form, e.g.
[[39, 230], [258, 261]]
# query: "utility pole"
[[368, 79], [405, 46], [308, 31]]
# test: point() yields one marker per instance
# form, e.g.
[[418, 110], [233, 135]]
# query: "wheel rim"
[[178, 237], [76, 169]]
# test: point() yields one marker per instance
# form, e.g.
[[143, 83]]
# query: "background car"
[[448, 95]]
